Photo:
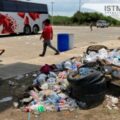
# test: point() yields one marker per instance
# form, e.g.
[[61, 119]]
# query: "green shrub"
[[80, 18]]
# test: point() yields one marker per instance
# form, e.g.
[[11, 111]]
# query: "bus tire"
[[35, 29], [27, 30]]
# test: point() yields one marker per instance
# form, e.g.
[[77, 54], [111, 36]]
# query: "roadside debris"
[[77, 82], [19, 77], [112, 102], [6, 99]]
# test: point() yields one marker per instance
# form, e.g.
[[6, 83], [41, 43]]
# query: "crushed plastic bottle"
[[53, 98], [74, 67], [116, 74], [51, 82], [116, 61], [40, 108], [102, 53], [83, 71], [91, 57], [34, 96], [6, 99], [59, 107]]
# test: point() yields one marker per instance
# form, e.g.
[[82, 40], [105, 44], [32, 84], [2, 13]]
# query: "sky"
[[60, 7], [68, 7]]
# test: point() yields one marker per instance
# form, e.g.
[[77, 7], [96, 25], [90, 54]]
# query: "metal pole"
[[52, 12], [79, 5]]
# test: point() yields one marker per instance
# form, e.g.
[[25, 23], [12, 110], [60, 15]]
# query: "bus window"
[[37, 8], [21, 7], [1, 5], [9, 6], [31, 8]]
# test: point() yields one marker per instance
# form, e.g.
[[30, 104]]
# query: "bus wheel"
[[27, 30], [35, 29]]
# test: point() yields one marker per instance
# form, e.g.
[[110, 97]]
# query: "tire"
[[93, 77], [88, 89], [91, 101], [92, 85], [96, 88], [35, 29], [27, 30]]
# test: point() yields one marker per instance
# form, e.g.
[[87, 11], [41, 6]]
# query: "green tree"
[[80, 18]]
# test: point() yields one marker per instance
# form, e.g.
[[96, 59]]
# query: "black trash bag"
[[89, 89]]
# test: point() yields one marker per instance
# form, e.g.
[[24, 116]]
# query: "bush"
[[80, 18]]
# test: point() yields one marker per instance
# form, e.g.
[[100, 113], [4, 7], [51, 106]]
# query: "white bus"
[[21, 17]]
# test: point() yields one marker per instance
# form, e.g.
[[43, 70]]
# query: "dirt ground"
[[21, 48]]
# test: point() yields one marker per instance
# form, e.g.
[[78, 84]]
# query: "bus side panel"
[[12, 22], [38, 21]]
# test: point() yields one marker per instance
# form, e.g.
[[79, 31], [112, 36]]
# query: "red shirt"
[[47, 33]]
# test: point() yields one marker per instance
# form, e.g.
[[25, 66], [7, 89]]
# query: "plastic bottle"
[[54, 98], [58, 109], [102, 53], [83, 71], [116, 61], [74, 67], [34, 95], [116, 74], [91, 57], [40, 108], [61, 107], [51, 82]]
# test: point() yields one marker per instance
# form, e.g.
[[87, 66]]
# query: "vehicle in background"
[[102, 23], [21, 17]]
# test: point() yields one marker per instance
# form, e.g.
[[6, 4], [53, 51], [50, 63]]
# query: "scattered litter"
[[52, 91], [12, 83], [34, 75], [26, 75], [112, 102], [6, 99], [19, 77], [110, 56]]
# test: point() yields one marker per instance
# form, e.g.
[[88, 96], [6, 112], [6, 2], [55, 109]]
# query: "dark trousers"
[[48, 44]]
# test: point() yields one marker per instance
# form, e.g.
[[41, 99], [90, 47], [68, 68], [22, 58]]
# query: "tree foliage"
[[80, 18]]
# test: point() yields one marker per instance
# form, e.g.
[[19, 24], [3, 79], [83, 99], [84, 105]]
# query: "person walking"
[[47, 36], [91, 26]]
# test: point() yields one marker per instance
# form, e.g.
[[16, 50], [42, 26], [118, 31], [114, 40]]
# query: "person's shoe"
[[2, 52], [57, 53], [41, 55]]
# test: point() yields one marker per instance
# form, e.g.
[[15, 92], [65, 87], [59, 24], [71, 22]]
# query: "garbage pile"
[[109, 58], [112, 56], [77, 82], [49, 91]]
